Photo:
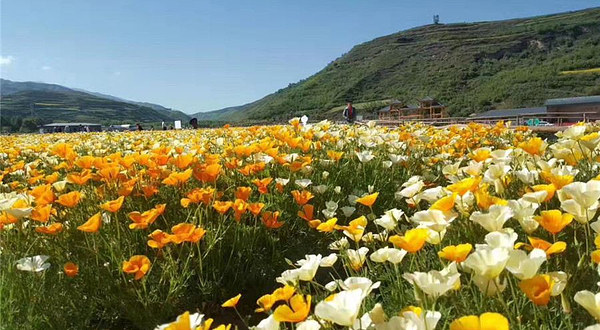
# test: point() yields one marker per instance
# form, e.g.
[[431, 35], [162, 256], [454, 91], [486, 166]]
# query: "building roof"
[[574, 100], [408, 107], [511, 112], [69, 124]]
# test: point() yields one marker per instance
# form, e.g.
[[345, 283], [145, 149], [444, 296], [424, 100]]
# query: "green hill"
[[470, 67], [24, 105]]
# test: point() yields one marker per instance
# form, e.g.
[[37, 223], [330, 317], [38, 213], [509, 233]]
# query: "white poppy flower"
[[34, 264]]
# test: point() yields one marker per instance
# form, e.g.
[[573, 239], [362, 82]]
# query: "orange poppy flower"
[[270, 219], [464, 186], [412, 241], [114, 205], [444, 204], [538, 243], [549, 188], [53, 229], [43, 194], [554, 221], [457, 253], [138, 265], [85, 162], [307, 212], [186, 232], [335, 155], [208, 173], [178, 178], [368, 200], [255, 208], [239, 208], [222, 207], [232, 302], [42, 213], [71, 269], [158, 239], [262, 185], [243, 193], [538, 289], [302, 197], [70, 199], [93, 224], [297, 311], [183, 161]]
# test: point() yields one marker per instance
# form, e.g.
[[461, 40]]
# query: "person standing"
[[350, 113]]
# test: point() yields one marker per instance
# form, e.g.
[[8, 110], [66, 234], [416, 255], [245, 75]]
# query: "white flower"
[[303, 183], [387, 164], [196, 320], [268, 324], [357, 257], [340, 244], [487, 263], [525, 266], [386, 221], [331, 286], [488, 286], [308, 267], [308, 325], [320, 188], [341, 308], [329, 261], [325, 175], [337, 189], [348, 211], [392, 255], [59, 185], [434, 219], [499, 239], [363, 283], [589, 301], [495, 219], [560, 282], [365, 156], [411, 190], [434, 283], [409, 320], [34, 264], [282, 181], [524, 212]]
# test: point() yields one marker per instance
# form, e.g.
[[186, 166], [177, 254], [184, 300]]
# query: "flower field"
[[301, 227]]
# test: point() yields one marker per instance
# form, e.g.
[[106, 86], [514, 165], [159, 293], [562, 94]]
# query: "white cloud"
[[46, 68], [6, 60]]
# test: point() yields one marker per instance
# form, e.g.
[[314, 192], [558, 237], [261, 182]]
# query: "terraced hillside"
[[470, 67]]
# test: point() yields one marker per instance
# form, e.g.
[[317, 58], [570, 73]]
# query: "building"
[[510, 113], [70, 128], [588, 105], [427, 108]]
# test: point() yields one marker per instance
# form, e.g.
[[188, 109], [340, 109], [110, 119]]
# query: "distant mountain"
[[471, 67], [46, 103]]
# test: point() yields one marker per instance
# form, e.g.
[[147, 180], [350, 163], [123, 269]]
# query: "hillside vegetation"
[[470, 67], [25, 105]]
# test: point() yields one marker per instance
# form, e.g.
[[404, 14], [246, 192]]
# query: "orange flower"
[[183, 161], [53, 229], [412, 241], [297, 311], [198, 195], [143, 220], [355, 229], [138, 265], [307, 212], [70, 199], [335, 155], [93, 224], [79, 178], [480, 154], [549, 188], [302, 197], [325, 227], [243, 193], [85, 162], [444, 204], [43, 194], [538, 243], [178, 178], [232, 302], [270, 219], [368, 200], [42, 213], [457, 253], [158, 239], [71, 269], [114, 205], [538, 289], [532, 146], [222, 207], [554, 221], [186, 232], [262, 185], [149, 191], [464, 186], [208, 173], [239, 207], [255, 208]]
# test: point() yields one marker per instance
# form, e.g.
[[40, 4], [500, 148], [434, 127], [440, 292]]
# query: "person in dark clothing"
[[139, 127], [350, 113], [194, 123]]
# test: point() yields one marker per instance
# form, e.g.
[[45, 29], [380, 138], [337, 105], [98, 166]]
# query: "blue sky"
[[204, 55]]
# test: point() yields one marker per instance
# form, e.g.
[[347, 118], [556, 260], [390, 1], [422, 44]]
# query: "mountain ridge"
[[471, 67]]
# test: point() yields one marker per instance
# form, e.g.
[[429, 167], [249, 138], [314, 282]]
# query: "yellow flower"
[[456, 253], [444, 204], [412, 241], [232, 302], [368, 200], [487, 321], [296, 312], [327, 226], [464, 186]]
